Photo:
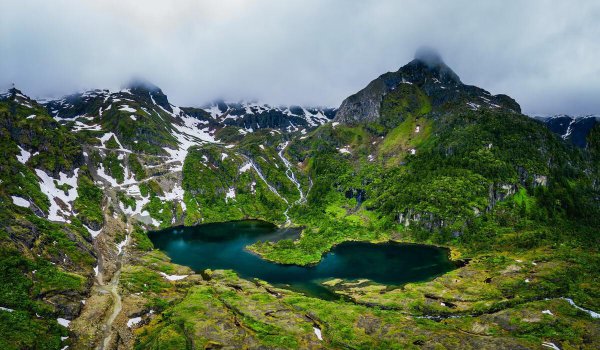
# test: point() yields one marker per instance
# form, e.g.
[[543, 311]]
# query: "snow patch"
[[176, 193], [113, 182], [20, 201], [6, 309], [133, 321], [48, 187], [230, 194], [550, 345], [93, 233], [24, 156], [188, 134], [107, 137], [121, 245], [473, 106], [245, 167], [63, 322], [318, 333], [589, 312], [126, 108], [173, 277]]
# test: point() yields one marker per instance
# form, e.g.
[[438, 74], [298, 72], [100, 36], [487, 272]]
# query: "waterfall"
[[290, 173], [273, 189]]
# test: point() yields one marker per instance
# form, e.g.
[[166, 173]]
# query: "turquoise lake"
[[222, 246]]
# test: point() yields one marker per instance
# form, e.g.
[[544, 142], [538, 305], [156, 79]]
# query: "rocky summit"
[[428, 73], [91, 181]]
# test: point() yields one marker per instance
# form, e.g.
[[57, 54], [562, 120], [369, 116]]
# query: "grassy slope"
[[42, 264], [222, 310]]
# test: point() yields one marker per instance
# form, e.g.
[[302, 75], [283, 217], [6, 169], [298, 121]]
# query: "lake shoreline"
[[225, 246]]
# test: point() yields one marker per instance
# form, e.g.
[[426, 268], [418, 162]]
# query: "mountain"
[[251, 116], [433, 77], [574, 129], [417, 156]]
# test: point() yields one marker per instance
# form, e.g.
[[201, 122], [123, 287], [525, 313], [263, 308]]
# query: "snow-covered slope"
[[252, 116]]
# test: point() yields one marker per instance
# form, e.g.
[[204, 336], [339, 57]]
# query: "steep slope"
[[46, 253], [84, 174], [422, 166], [252, 116], [574, 129], [431, 76]]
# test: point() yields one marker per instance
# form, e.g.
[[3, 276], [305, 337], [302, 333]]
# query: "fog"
[[543, 53]]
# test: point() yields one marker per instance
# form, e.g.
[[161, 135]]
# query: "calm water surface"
[[221, 246]]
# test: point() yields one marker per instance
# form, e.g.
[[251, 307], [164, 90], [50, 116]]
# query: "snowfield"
[[48, 187]]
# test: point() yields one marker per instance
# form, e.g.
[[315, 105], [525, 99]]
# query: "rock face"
[[574, 129], [429, 73]]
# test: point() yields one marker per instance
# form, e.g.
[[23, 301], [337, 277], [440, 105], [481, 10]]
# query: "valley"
[[423, 213], [222, 246]]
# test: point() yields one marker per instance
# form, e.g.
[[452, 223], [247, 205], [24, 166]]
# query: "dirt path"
[[112, 287]]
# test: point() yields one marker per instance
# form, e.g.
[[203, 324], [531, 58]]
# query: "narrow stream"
[[290, 173]]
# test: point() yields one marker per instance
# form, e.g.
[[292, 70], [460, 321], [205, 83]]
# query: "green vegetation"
[[112, 143], [456, 189], [88, 203], [113, 167], [217, 190], [139, 173], [40, 261], [502, 192], [163, 211], [128, 202]]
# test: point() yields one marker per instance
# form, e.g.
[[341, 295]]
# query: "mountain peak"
[[143, 88], [429, 62], [429, 56], [139, 84], [429, 76]]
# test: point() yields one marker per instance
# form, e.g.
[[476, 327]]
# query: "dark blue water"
[[222, 246]]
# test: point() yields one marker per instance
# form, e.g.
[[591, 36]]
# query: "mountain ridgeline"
[[416, 156], [576, 129], [433, 78]]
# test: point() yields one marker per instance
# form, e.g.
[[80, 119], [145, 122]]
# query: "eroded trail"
[[112, 287]]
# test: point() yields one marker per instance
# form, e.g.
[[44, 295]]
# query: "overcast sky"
[[545, 54]]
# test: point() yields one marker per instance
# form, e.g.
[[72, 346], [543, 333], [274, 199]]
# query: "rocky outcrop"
[[498, 192]]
